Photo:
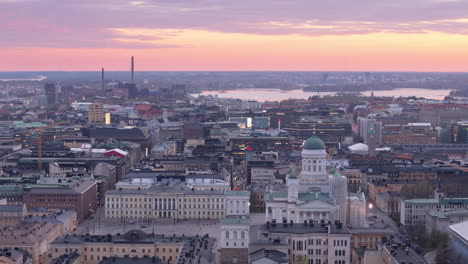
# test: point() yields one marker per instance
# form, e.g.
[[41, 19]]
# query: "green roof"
[[34, 160], [21, 124], [314, 143], [447, 214], [116, 144], [337, 174], [235, 221], [307, 197], [245, 193], [443, 201], [279, 194], [293, 175], [419, 201], [48, 186], [186, 109]]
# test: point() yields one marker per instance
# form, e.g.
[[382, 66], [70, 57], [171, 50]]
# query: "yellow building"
[[136, 243], [35, 238], [165, 202]]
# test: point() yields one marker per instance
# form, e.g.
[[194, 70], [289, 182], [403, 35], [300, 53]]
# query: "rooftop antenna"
[[102, 79]]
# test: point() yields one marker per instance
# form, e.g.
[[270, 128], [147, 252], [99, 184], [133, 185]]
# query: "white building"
[[208, 184], [413, 211], [307, 242], [459, 241], [237, 203], [235, 240], [235, 232], [263, 175], [314, 194], [63, 169], [235, 228]]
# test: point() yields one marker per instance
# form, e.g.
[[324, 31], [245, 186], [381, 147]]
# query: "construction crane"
[[39, 140], [453, 165], [456, 166]]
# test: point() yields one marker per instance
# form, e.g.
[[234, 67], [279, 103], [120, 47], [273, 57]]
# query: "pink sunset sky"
[[171, 35]]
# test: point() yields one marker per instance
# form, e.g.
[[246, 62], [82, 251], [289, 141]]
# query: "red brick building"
[[80, 196]]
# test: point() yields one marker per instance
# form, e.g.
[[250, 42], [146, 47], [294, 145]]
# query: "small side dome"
[[314, 143]]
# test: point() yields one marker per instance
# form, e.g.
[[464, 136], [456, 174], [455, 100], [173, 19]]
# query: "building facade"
[[136, 243], [165, 202], [80, 197], [314, 194], [234, 241], [96, 114], [309, 242], [413, 211]]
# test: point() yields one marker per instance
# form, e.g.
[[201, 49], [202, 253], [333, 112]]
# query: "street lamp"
[[371, 206]]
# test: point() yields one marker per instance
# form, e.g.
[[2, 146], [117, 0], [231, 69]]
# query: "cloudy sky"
[[370, 35]]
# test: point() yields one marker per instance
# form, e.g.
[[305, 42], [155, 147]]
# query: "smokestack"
[[133, 70], [102, 79]]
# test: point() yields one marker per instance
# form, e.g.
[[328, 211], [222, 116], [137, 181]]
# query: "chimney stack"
[[133, 70], [102, 79]]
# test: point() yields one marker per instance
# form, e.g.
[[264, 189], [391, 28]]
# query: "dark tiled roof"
[[115, 260], [110, 132], [274, 255], [297, 228], [11, 208]]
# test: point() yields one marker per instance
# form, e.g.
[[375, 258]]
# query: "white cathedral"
[[315, 194]]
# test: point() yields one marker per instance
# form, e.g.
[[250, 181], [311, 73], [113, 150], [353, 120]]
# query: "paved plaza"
[[99, 225]]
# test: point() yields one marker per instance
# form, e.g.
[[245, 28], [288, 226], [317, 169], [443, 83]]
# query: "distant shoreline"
[[39, 78]]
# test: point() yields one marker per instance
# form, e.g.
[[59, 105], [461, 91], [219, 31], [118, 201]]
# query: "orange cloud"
[[190, 49]]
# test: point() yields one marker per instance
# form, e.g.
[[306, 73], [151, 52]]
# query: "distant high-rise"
[[133, 70], [96, 114], [51, 93], [367, 77]]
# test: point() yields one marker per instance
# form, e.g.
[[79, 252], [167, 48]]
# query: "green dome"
[[314, 143]]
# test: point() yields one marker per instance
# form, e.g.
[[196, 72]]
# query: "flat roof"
[[461, 229]]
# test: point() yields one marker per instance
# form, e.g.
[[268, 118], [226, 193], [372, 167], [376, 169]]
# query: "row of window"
[[112, 213], [340, 242], [91, 257], [234, 235], [231, 203], [301, 245], [189, 200], [235, 244], [166, 206], [97, 249]]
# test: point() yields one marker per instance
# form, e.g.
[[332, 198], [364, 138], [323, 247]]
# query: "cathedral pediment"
[[316, 204]]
